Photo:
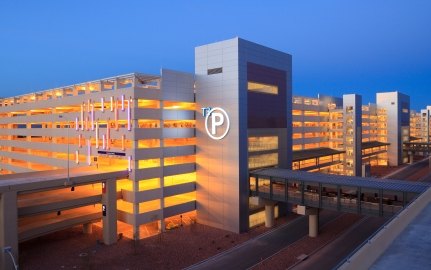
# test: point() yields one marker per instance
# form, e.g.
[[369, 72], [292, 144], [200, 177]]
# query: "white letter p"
[[216, 123]]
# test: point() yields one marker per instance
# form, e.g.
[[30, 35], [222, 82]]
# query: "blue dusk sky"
[[338, 46]]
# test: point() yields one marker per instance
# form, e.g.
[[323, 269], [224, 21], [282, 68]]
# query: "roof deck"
[[138, 80]]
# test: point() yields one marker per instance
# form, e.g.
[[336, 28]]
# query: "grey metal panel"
[[178, 132], [179, 189], [177, 86], [148, 195], [151, 94], [148, 173], [178, 115], [148, 153], [179, 151], [147, 133], [57, 206], [149, 217], [144, 113], [179, 169], [179, 209]]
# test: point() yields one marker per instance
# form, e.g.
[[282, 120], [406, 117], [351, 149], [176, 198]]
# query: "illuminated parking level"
[[143, 124]]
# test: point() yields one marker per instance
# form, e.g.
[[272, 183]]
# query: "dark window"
[[212, 71]]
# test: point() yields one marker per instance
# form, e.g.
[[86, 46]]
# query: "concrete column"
[[136, 233], [411, 158], [162, 177], [161, 225], [313, 225], [109, 200], [87, 228], [8, 228], [269, 214], [135, 184]]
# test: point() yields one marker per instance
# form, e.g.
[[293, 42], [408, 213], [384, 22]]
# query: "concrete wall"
[[365, 257]]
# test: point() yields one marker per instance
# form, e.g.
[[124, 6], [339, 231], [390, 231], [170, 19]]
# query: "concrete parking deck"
[[410, 250], [37, 203]]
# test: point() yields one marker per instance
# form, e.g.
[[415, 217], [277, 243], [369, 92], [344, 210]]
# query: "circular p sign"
[[215, 120]]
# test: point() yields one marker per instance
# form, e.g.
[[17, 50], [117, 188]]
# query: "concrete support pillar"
[[313, 225], [87, 228], [136, 233], [109, 220], [161, 225], [135, 184], [411, 158], [8, 229], [269, 214]]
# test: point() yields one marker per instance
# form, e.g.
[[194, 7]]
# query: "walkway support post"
[[269, 214], [313, 225], [313, 219], [109, 208], [8, 229]]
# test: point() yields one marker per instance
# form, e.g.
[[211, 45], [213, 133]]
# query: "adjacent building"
[[397, 106]]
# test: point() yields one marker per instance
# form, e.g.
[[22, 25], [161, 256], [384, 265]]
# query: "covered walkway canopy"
[[369, 196], [372, 144], [311, 159], [417, 146], [374, 152]]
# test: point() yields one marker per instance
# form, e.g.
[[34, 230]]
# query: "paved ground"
[[413, 172], [307, 245], [174, 249], [329, 256], [260, 248]]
